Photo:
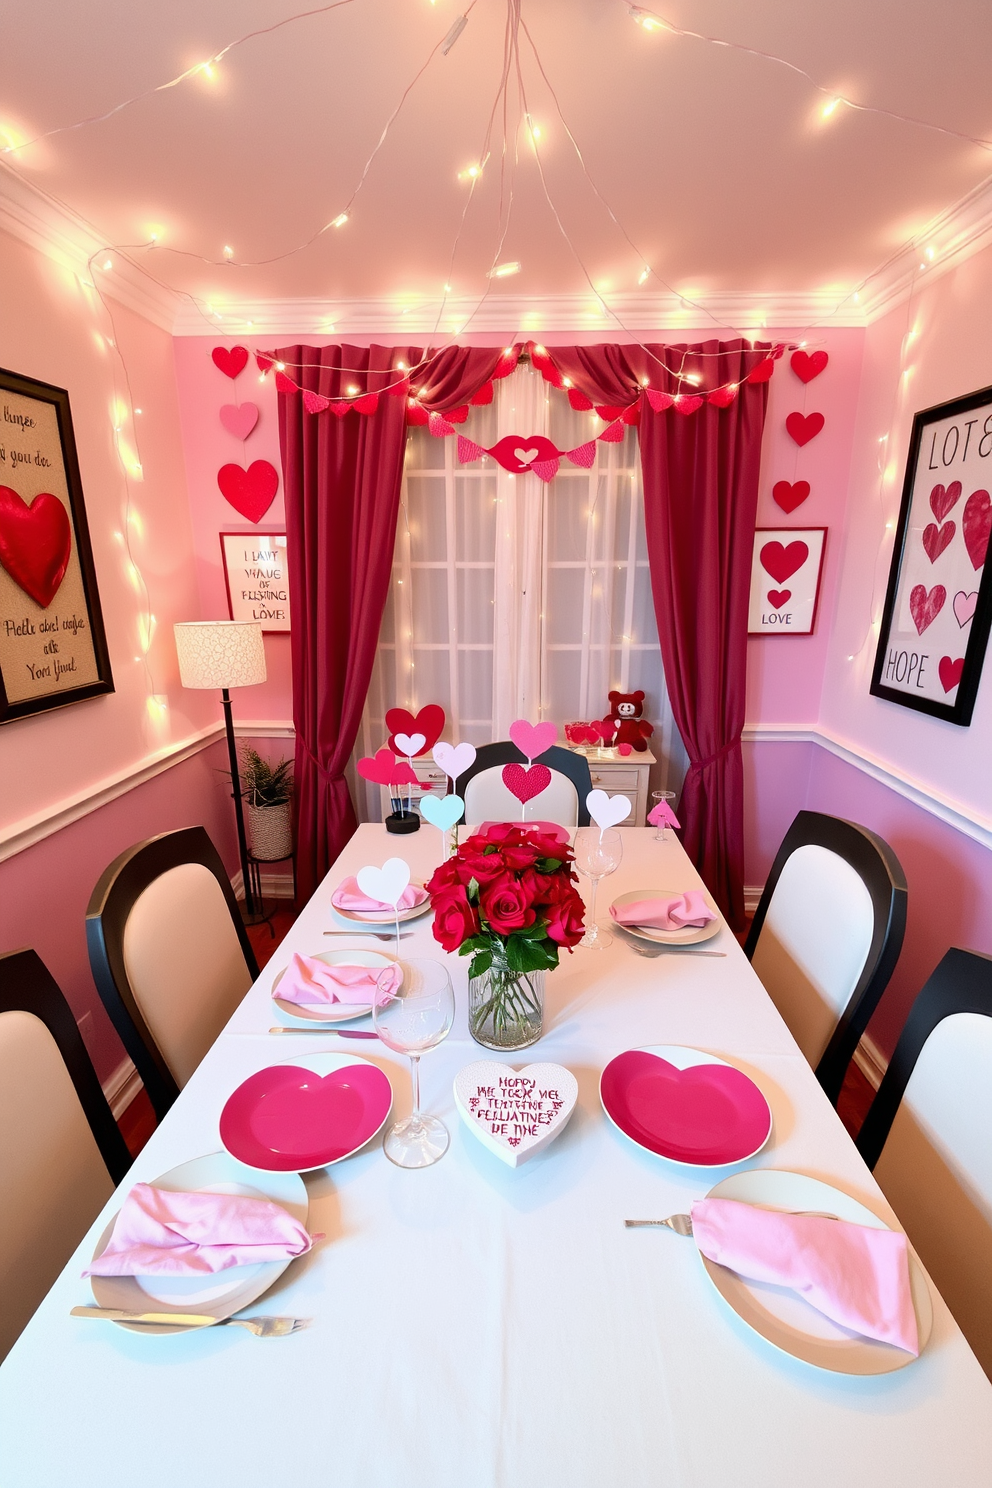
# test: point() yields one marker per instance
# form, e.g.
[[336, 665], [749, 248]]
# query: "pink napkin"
[[858, 1277], [662, 815], [678, 912], [349, 896], [159, 1233], [308, 981]]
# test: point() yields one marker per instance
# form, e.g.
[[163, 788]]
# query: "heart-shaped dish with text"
[[685, 1105], [515, 1112], [306, 1113]]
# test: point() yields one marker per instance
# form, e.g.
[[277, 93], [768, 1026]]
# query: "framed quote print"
[[938, 605], [785, 580], [257, 580], [52, 645]]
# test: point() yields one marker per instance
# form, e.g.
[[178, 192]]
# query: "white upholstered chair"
[[488, 799]]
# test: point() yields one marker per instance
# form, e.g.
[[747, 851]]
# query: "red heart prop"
[[803, 428], [762, 372], [35, 543], [790, 494], [687, 403], [707, 1114], [782, 562], [935, 539], [632, 415], [613, 433], [925, 607], [231, 361], [722, 397], [808, 365], [285, 384], [315, 403], [368, 403], [659, 401], [340, 409], [950, 672], [524, 783], [286, 1118], [429, 722], [779, 597], [579, 401], [941, 501], [383, 768], [509, 449], [416, 414], [240, 419], [977, 524], [608, 413], [483, 396], [251, 492]]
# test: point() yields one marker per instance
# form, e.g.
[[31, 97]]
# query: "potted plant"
[[268, 791], [507, 898]]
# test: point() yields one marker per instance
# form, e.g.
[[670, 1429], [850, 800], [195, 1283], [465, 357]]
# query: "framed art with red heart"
[[938, 605], [53, 650], [785, 580]]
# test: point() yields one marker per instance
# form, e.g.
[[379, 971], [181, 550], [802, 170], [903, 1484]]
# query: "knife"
[[171, 1319], [320, 1030]]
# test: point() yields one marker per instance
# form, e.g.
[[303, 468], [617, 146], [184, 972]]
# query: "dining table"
[[475, 1325]]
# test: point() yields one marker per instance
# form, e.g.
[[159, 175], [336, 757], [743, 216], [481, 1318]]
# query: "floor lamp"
[[224, 654]]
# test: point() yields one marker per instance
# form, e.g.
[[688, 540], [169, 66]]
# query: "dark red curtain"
[[341, 479], [700, 505]]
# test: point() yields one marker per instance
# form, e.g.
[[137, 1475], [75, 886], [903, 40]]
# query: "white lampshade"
[[220, 653]]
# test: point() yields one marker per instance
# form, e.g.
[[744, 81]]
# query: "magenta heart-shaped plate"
[[685, 1105], [305, 1113]]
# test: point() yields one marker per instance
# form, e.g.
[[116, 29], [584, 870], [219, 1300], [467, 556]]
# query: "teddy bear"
[[632, 730]]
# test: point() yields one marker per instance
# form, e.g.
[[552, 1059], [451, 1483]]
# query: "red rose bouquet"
[[508, 899]]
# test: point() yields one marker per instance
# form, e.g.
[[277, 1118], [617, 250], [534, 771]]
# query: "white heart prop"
[[410, 744], [442, 811], [514, 1113], [607, 811], [386, 883], [525, 456], [454, 759]]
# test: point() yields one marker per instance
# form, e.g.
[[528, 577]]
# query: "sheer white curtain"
[[512, 598]]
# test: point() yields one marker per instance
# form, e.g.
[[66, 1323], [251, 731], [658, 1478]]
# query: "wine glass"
[[413, 1017], [662, 832], [597, 853]]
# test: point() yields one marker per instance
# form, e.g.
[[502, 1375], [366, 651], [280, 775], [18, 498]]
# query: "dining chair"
[[61, 1153], [928, 1137], [169, 953], [488, 799], [827, 934]]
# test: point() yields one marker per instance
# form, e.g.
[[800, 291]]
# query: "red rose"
[[443, 877], [565, 919], [483, 867], [507, 908], [455, 920]]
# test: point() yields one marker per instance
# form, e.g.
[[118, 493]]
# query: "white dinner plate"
[[688, 936], [780, 1314], [225, 1292], [332, 1012], [353, 917]]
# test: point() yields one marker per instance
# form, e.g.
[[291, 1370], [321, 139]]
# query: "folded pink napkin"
[[310, 981], [159, 1233], [349, 896], [662, 815], [858, 1277], [677, 912]]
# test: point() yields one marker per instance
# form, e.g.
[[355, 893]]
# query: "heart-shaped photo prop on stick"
[[385, 769], [533, 739], [454, 759], [525, 784], [409, 744], [35, 543], [429, 722], [442, 811], [514, 1113], [386, 883], [607, 811]]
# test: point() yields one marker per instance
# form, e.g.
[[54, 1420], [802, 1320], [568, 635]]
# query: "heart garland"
[[520, 456]]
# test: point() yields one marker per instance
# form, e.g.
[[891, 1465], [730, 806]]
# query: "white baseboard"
[[752, 897], [121, 1087], [870, 1061]]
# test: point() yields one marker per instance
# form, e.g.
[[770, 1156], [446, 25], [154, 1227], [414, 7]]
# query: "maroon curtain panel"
[[341, 480], [700, 505]]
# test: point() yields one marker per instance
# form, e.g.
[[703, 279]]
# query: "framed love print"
[[53, 650], [938, 605], [785, 580], [256, 576]]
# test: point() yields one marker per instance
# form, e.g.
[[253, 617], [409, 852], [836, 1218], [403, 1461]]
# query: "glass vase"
[[506, 1008]]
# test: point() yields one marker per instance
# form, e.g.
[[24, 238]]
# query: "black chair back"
[[503, 752]]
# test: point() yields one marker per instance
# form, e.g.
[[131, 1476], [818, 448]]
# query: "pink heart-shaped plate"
[[304, 1114], [685, 1105]]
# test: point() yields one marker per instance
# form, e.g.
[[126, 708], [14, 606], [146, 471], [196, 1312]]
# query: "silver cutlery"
[[262, 1327], [320, 1030], [680, 1223], [669, 950], [372, 934]]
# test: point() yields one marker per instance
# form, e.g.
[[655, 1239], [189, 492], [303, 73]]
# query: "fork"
[[372, 934], [680, 1223], [262, 1327], [671, 950], [269, 1327]]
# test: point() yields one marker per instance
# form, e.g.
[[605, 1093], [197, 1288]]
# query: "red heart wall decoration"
[[230, 360], [925, 607], [239, 418], [251, 492], [949, 672], [935, 539], [429, 722], [942, 500], [790, 494], [977, 525], [35, 543], [783, 562], [808, 365], [804, 427], [779, 597], [526, 783]]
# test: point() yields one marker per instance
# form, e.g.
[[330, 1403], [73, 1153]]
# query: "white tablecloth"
[[479, 1327]]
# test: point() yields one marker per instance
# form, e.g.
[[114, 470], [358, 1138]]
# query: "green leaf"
[[480, 962], [473, 891], [548, 865]]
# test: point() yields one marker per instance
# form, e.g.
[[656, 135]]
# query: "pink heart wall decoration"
[[808, 365], [804, 427], [935, 539], [790, 494], [942, 500], [239, 418], [533, 739], [782, 562], [949, 672], [230, 360], [977, 525], [965, 606], [925, 607], [251, 492], [525, 784], [35, 543]]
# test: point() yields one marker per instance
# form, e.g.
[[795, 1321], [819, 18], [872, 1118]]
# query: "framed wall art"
[[938, 605], [785, 580], [53, 650], [256, 576]]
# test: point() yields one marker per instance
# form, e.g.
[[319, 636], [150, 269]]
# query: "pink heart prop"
[[287, 1119], [469, 450], [231, 361], [533, 739], [251, 492], [429, 722], [935, 539], [949, 672], [804, 427], [965, 606], [977, 525], [925, 607], [778, 597], [783, 562], [808, 365], [583, 454], [788, 494], [239, 419], [525, 784], [708, 1114], [525, 456], [314, 402], [942, 500], [35, 543], [383, 768], [454, 759]]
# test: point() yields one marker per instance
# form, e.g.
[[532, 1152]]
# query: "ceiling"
[[718, 164]]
